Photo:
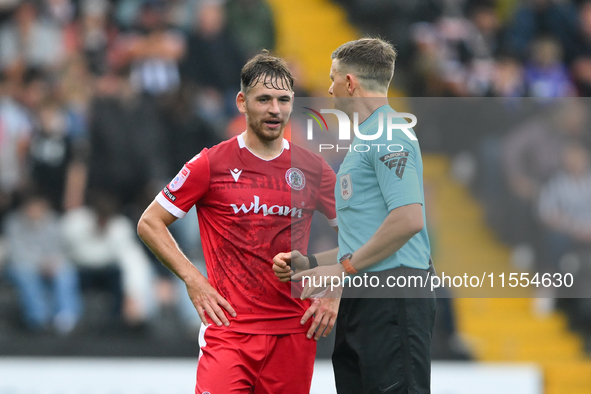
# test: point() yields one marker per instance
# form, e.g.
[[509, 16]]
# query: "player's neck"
[[266, 150]]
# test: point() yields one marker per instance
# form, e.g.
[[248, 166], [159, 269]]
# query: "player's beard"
[[265, 134]]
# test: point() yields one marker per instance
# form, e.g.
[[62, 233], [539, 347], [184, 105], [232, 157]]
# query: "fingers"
[[201, 314], [282, 260], [226, 305], [211, 309], [284, 274], [310, 311], [281, 266], [331, 320], [324, 320], [217, 315]]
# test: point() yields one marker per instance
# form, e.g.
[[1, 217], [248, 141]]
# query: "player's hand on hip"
[[286, 264], [209, 303], [325, 311]]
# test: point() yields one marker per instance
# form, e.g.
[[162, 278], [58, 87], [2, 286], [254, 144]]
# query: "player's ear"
[[241, 102]]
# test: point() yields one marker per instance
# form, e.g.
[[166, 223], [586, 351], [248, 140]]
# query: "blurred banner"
[[176, 376]]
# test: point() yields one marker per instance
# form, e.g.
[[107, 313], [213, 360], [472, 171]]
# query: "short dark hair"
[[267, 69], [370, 59]]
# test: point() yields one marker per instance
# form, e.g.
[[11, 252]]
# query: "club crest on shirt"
[[346, 186], [178, 180], [295, 178]]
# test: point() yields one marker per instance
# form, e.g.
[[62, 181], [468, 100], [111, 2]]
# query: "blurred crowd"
[[511, 80], [101, 103]]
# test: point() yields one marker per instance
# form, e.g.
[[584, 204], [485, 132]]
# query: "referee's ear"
[[241, 102], [353, 84]]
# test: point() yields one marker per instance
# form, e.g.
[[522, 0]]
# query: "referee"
[[383, 345]]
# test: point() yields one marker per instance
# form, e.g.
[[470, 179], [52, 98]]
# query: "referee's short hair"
[[267, 69], [369, 59]]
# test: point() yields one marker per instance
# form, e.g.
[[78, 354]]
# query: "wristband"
[[313, 262], [345, 261]]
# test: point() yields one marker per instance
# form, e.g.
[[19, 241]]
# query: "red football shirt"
[[249, 210]]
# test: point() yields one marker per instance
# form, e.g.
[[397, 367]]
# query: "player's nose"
[[274, 108]]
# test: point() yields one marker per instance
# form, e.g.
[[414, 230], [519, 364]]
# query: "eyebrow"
[[268, 96]]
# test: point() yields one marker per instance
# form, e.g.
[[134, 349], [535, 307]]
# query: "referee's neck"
[[366, 105]]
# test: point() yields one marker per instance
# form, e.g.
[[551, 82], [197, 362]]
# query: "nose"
[[330, 89], [274, 108]]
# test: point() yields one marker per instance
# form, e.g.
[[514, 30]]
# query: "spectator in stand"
[[103, 245], [186, 131], [531, 154], [92, 36], [51, 153], [565, 206], [507, 79], [126, 135], [251, 24], [545, 74], [75, 90], [15, 131], [181, 13], [60, 11], [153, 50], [535, 18], [34, 90], [564, 210], [482, 44], [213, 62], [46, 282], [581, 59], [426, 79], [458, 52], [30, 40]]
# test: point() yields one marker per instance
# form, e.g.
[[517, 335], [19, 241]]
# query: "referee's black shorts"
[[383, 345]]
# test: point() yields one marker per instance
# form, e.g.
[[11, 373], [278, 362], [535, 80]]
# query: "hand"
[[320, 278], [208, 301], [325, 311], [284, 264]]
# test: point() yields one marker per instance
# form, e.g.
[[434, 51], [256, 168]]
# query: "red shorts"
[[231, 362]]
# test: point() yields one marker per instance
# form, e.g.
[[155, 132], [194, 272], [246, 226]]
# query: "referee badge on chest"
[[346, 186]]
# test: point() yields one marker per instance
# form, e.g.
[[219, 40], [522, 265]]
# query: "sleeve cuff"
[[169, 206], [400, 203], [333, 222]]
